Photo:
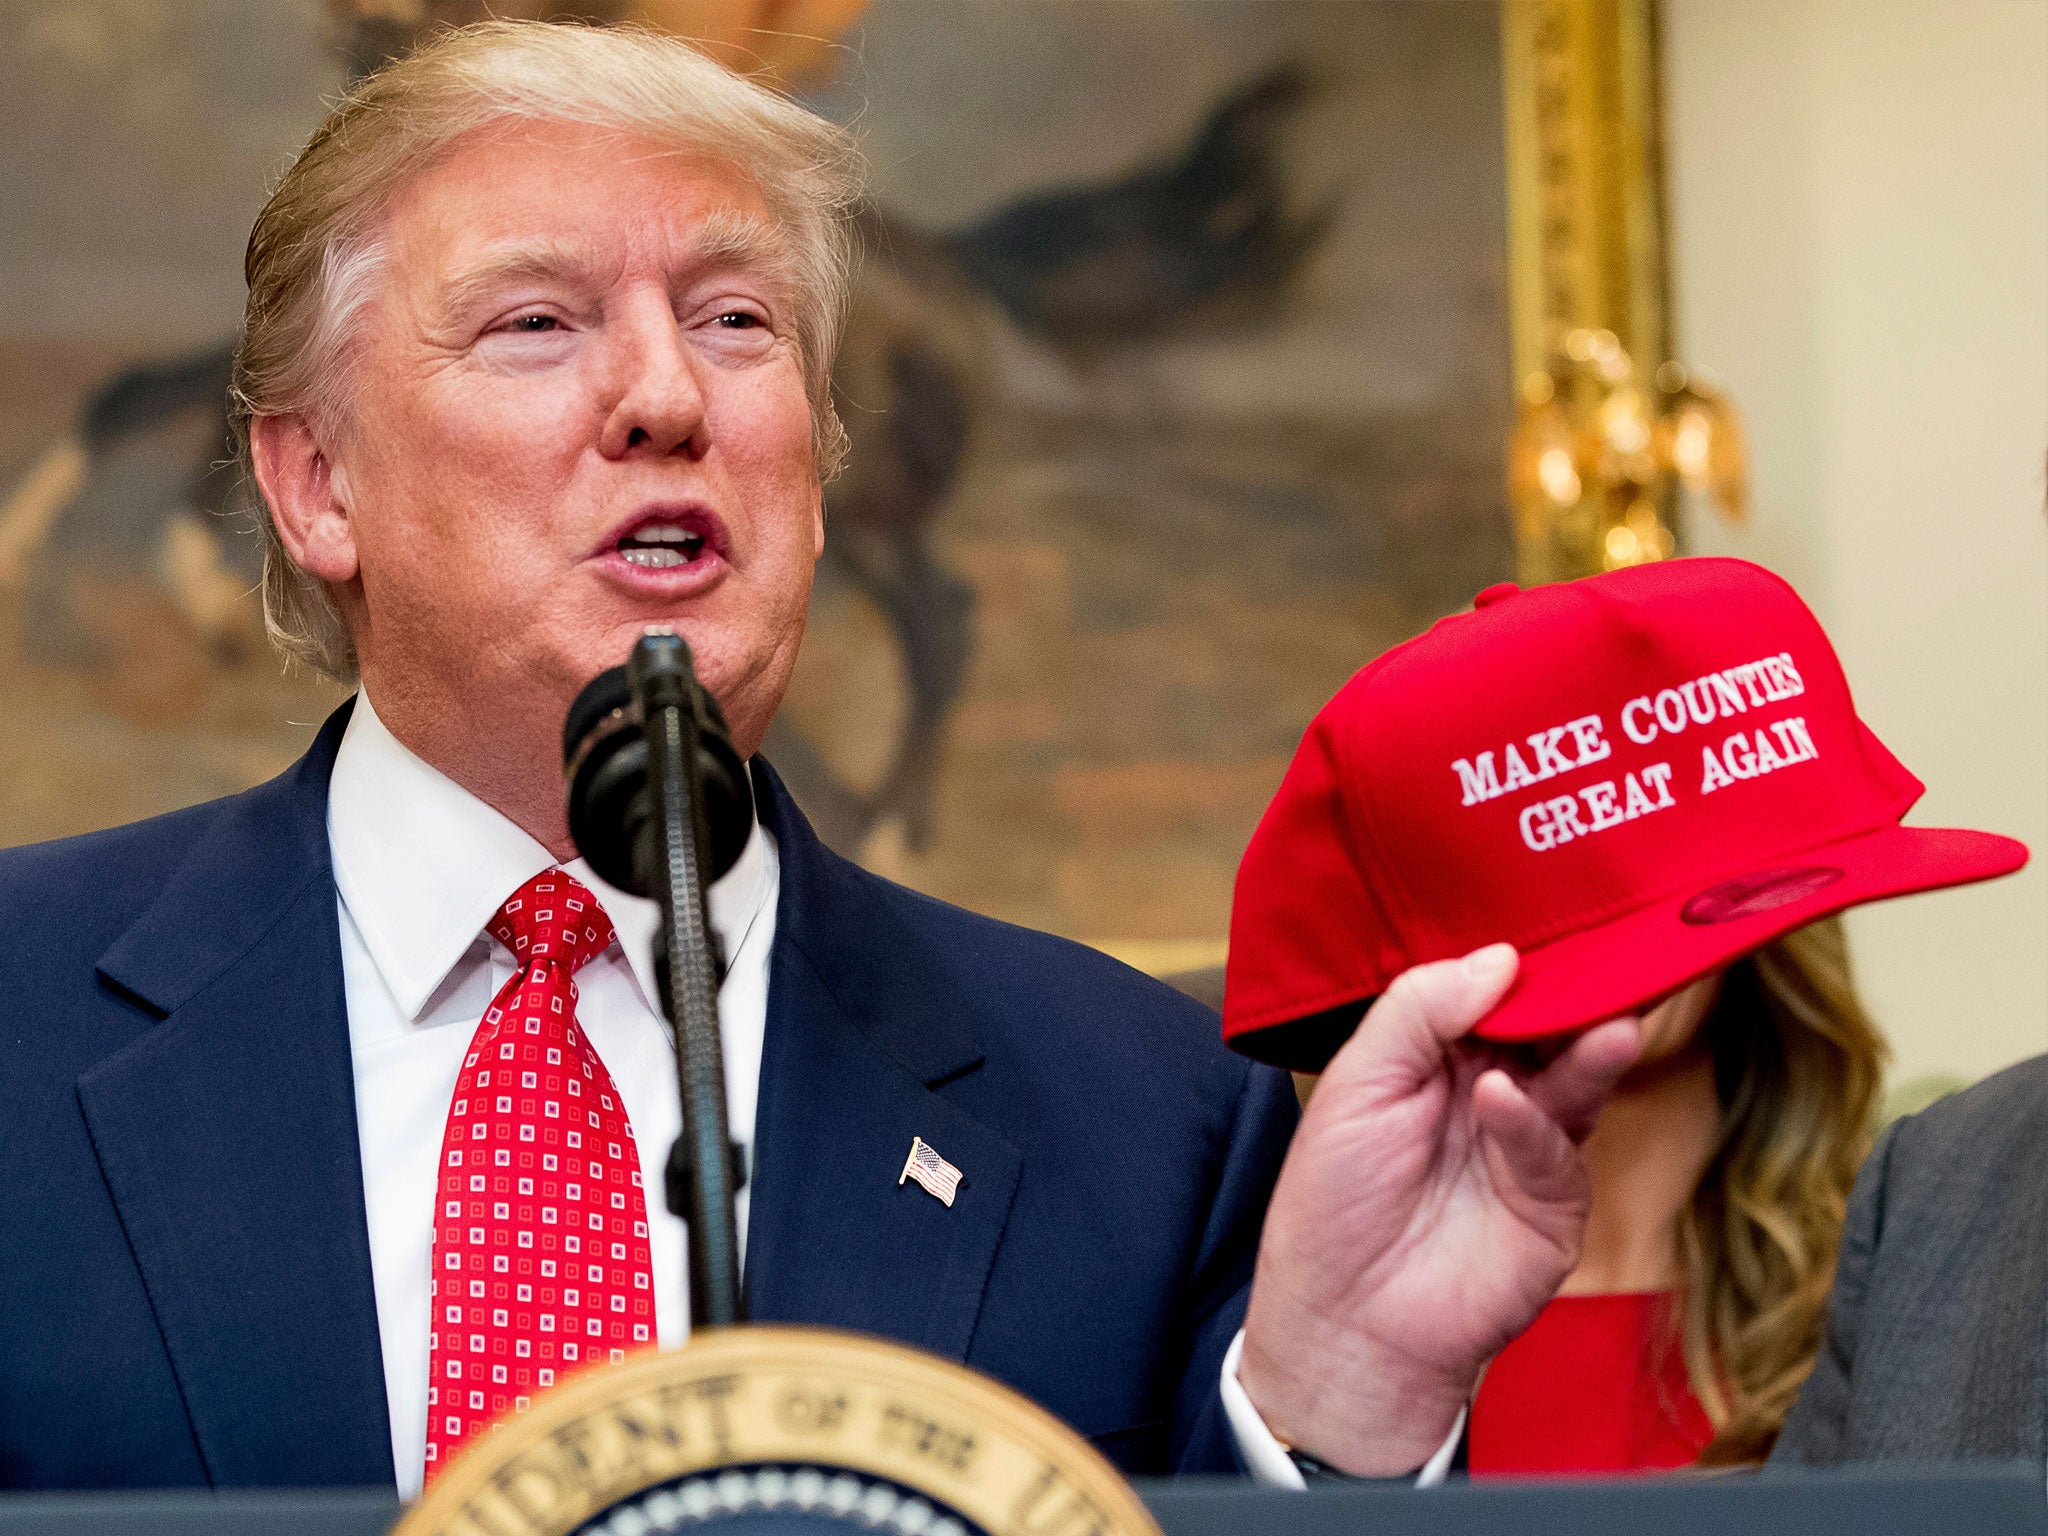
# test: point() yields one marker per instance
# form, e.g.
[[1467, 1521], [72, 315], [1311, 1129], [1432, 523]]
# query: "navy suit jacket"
[[185, 1292]]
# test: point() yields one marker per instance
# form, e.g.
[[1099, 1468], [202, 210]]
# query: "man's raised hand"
[[1432, 1203]]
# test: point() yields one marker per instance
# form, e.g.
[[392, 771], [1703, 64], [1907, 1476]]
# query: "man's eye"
[[739, 320], [533, 324]]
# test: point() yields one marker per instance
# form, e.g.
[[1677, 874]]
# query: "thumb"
[[1426, 1008]]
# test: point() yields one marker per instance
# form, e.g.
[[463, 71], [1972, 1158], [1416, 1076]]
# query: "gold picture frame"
[[1610, 427]]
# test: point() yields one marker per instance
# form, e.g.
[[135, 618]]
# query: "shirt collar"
[[423, 865]]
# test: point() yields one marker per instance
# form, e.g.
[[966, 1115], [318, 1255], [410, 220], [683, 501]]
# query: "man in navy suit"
[[535, 356]]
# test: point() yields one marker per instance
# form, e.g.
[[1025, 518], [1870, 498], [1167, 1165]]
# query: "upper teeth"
[[663, 533]]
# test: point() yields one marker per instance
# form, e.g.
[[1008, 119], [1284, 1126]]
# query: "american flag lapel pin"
[[937, 1177]]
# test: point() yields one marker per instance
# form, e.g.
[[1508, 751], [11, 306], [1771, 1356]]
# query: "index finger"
[[1573, 1089]]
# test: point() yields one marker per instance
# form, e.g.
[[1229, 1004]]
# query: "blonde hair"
[[316, 248], [1799, 1065]]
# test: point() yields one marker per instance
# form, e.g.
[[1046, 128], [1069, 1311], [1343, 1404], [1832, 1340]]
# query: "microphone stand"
[[704, 1174]]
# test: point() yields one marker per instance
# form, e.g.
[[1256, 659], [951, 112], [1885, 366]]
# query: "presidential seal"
[[766, 1431]]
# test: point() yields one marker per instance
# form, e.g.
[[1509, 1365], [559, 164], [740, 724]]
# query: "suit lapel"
[[227, 1138], [860, 1038]]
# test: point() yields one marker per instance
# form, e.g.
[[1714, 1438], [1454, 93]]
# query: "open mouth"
[[681, 541], [661, 546]]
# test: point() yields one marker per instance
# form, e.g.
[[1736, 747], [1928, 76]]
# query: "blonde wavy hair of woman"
[[1799, 1066]]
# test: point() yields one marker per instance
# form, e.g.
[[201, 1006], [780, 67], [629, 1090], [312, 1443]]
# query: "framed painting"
[[1181, 371]]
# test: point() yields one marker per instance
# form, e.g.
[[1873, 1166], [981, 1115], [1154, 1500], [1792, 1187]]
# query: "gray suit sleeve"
[[1816, 1433]]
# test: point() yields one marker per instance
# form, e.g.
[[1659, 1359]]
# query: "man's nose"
[[657, 396]]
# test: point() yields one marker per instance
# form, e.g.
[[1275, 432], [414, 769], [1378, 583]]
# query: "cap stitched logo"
[[1756, 749], [1763, 891]]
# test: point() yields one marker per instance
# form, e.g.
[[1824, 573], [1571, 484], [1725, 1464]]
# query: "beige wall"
[[1859, 216]]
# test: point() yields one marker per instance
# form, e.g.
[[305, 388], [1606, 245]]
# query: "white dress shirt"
[[420, 867]]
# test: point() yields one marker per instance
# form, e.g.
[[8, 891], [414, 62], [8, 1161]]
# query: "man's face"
[[579, 410]]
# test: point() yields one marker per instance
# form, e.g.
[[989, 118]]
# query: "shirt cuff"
[[1267, 1459]]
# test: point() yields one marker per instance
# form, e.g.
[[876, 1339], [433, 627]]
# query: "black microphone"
[[611, 808], [660, 805]]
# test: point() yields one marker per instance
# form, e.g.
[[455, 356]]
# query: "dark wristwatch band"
[[1314, 1470]]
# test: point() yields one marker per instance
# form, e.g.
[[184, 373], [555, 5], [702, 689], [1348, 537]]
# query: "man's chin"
[[747, 685], [707, 638]]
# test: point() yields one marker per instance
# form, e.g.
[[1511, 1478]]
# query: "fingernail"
[[1491, 963]]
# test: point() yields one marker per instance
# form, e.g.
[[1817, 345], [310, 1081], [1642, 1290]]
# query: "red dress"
[[1584, 1391]]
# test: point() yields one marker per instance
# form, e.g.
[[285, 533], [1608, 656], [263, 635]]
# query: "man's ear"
[[307, 503]]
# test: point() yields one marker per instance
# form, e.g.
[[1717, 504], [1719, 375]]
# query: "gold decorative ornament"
[[1607, 430], [809, 1426], [793, 43]]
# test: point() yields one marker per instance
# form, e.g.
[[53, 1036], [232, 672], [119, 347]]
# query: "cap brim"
[[1623, 965]]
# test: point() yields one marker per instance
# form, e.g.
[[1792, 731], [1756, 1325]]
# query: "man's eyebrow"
[[727, 239], [730, 238], [482, 279]]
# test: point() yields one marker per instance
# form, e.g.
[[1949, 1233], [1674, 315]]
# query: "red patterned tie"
[[540, 1237]]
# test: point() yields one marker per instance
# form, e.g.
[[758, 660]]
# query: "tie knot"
[[553, 917]]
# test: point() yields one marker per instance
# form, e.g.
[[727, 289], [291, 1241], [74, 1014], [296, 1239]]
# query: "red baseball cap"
[[1635, 779]]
